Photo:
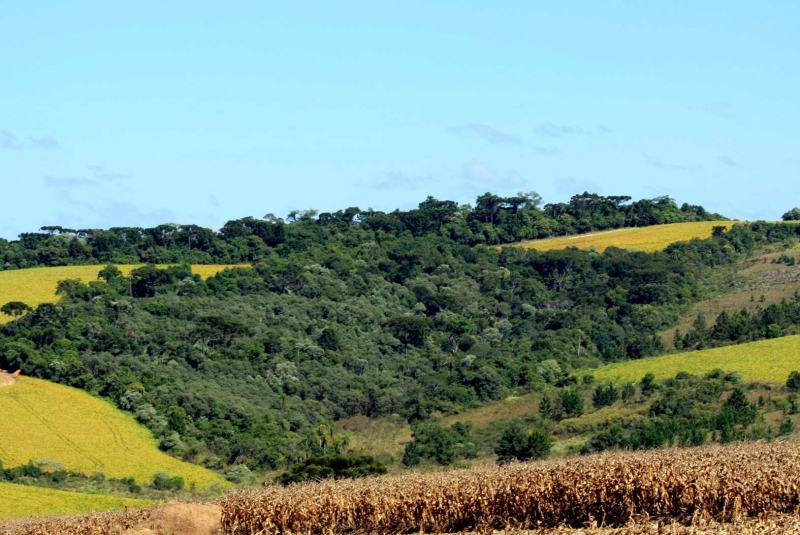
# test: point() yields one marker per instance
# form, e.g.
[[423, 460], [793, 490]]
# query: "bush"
[[238, 473], [517, 444], [604, 395], [163, 481], [571, 401], [322, 467], [793, 382], [438, 444]]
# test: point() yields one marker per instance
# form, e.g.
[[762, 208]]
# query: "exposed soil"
[[7, 379], [177, 518]]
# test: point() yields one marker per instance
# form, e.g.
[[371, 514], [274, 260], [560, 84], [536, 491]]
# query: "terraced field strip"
[[768, 361], [34, 286], [40, 420], [18, 501], [645, 239]]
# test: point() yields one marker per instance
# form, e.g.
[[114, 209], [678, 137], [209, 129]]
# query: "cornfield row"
[[114, 522], [720, 483]]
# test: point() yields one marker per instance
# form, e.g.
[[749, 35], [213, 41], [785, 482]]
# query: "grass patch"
[[34, 286], [18, 501], [767, 361], [645, 239], [40, 420]]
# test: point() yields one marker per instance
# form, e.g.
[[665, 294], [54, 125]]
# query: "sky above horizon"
[[145, 113]]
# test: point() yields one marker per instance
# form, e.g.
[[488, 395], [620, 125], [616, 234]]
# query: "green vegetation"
[[358, 314], [334, 466], [23, 500]]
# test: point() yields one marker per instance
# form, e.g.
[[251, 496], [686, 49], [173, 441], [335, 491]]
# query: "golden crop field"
[[645, 239], [34, 286], [719, 483], [40, 420], [23, 500], [768, 361]]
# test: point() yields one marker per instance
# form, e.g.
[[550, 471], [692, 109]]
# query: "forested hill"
[[492, 220], [353, 313]]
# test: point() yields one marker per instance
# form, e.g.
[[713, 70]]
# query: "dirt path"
[[177, 518], [7, 379]]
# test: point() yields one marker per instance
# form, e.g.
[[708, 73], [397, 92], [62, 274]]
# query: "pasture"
[[40, 420], [644, 239], [25, 501], [34, 286], [767, 361]]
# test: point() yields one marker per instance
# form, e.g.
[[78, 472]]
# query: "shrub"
[[793, 382], [332, 467], [163, 481], [518, 444]]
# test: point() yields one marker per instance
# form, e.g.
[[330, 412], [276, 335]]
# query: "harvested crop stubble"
[[723, 483], [113, 522]]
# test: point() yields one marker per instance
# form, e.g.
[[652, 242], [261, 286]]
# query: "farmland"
[[34, 286], [46, 421], [645, 239], [768, 361], [24, 500], [721, 483]]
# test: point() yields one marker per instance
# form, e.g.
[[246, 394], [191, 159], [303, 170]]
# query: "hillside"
[[46, 421], [768, 361], [646, 239], [34, 286], [26, 501]]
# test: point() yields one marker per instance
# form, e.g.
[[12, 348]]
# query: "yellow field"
[[18, 501], [34, 286], [645, 239], [40, 420], [768, 361]]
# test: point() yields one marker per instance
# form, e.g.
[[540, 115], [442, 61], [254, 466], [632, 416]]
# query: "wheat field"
[[34, 286], [645, 239], [716, 483], [767, 361], [40, 420]]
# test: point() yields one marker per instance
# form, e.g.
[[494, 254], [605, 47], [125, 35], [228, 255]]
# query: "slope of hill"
[[34, 286], [46, 421], [24, 501], [768, 361], [645, 239]]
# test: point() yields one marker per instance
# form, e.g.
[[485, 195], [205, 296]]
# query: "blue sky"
[[202, 112]]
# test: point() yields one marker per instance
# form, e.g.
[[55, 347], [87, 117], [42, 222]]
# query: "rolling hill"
[[41, 420], [25, 501], [645, 239], [34, 286], [768, 361]]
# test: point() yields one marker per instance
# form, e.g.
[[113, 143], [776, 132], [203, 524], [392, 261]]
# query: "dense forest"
[[353, 313], [493, 220]]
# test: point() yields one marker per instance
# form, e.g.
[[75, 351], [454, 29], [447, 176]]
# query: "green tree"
[[793, 382], [15, 308], [517, 444], [571, 400]]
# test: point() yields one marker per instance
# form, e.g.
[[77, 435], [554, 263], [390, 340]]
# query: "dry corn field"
[[718, 483], [116, 522]]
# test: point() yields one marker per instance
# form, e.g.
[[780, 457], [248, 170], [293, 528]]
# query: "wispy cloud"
[[729, 162], [481, 177], [545, 151], [658, 163], [97, 175], [486, 133], [549, 129], [399, 180], [11, 141]]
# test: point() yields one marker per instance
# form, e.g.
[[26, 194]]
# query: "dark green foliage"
[[441, 445], [518, 444], [604, 395], [793, 382], [354, 313], [792, 215], [786, 427], [15, 308], [322, 467], [162, 481], [571, 400]]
